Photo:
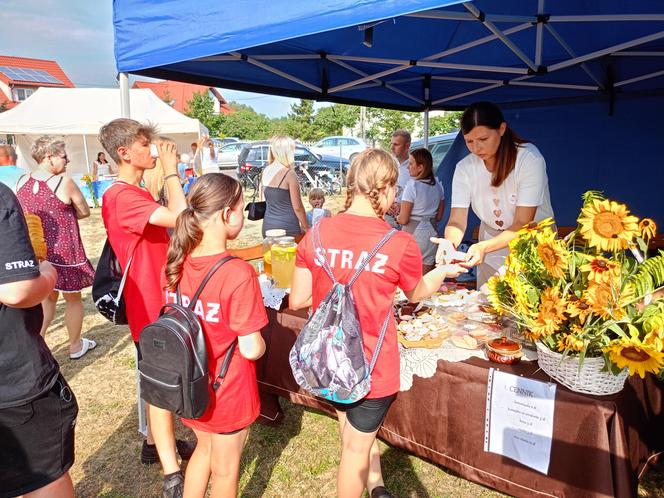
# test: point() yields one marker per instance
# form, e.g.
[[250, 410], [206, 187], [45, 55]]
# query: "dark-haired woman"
[[101, 167], [422, 205], [503, 179]]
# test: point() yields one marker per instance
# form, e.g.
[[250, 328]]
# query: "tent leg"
[[124, 95], [85, 151], [426, 128]]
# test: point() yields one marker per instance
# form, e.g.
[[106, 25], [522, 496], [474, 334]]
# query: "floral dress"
[[65, 249]]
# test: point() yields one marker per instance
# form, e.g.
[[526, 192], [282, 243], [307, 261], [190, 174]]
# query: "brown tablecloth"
[[601, 445]]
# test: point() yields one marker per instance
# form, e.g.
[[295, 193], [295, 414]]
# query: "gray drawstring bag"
[[328, 357]]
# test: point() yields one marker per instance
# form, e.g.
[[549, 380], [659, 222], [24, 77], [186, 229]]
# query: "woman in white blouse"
[[101, 167], [503, 179], [422, 205]]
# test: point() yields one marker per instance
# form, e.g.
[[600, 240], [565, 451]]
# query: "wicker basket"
[[590, 379]]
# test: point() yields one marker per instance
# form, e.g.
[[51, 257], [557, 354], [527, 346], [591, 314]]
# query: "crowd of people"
[[172, 240]]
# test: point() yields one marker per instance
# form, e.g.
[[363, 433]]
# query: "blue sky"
[[78, 34]]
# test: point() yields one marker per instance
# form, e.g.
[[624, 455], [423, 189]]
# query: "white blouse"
[[527, 186], [424, 196]]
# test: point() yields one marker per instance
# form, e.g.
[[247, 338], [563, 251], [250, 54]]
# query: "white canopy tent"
[[76, 114]]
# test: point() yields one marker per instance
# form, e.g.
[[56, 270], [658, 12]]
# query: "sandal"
[[87, 345]]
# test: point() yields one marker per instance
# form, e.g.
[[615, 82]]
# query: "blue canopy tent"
[[583, 79]]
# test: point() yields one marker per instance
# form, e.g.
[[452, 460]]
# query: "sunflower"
[[551, 306], [606, 301], [647, 229], [498, 294], [552, 253], [607, 225], [637, 356], [520, 293], [531, 228], [541, 327], [600, 270], [653, 327], [568, 341], [578, 308]]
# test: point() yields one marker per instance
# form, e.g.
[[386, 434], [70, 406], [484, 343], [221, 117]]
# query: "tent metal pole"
[[424, 63], [608, 18], [637, 54], [639, 78], [462, 16], [539, 35], [465, 94], [371, 77], [390, 87], [571, 52], [426, 128], [479, 41], [85, 151], [125, 110], [552, 85], [606, 51], [492, 27], [273, 70]]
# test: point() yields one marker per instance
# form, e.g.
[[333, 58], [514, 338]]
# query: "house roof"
[[181, 93], [50, 67]]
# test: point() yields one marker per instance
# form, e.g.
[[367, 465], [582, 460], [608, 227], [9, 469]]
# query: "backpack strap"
[[229, 353], [207, 278], [373, 252], [315, 240]]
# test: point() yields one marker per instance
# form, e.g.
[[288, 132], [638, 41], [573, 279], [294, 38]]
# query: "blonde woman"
[[58, 201], [281, 189]]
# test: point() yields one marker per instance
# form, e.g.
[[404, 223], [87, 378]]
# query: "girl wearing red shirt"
[[346, 240], [230, 308]]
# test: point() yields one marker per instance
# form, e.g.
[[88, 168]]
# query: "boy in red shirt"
[[136, 228]]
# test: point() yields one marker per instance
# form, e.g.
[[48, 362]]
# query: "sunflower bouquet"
[[89, 182], [584, 296]]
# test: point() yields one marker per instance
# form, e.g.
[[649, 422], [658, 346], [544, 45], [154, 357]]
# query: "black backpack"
[[108, 284], [173, 367]]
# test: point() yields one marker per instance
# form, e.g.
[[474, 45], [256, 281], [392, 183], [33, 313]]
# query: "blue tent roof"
[[405, 54]]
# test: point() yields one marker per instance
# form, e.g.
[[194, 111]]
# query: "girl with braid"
[[346, 239], [230, 308]]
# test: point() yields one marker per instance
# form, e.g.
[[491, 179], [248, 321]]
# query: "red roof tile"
[[181, 93]]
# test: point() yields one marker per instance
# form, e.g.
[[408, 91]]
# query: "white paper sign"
[[519, 419]]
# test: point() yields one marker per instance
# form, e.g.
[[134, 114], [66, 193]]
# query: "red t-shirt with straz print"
[[230, 305], [126, 211], [347, 239]]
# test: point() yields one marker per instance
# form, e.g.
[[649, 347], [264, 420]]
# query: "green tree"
[[383, 122], [331, 120], [3, 107], [244, 123], [300, 120], [201, 107], [439, 125]]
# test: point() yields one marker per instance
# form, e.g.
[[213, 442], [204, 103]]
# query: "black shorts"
[[37, 441], [366, 415]]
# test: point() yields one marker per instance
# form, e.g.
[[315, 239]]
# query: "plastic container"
[[270, 237], [283, 261]]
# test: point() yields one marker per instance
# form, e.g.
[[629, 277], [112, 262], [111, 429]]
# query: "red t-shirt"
[[347, 239], [230, 305], [126, 211]]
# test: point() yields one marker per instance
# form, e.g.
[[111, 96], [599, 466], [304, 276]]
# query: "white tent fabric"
[[76, 114]]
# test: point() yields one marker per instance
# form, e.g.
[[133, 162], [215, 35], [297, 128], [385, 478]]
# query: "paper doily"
[[272, 297], [424, 362]]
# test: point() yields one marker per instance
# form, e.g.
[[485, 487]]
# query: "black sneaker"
[[149, 453], [381, 492], [173, 486]]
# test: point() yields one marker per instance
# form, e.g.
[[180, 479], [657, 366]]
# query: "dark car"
[[313, 170], [438, 146]]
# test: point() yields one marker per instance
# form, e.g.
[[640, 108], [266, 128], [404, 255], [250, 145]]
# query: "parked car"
[[346, 147], [228, 154], [438, 146], [314, 170]]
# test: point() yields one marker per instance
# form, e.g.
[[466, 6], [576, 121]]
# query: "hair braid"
[[374, 197]]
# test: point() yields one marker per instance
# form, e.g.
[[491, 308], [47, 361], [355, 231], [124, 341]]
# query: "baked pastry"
[[36, 232]]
